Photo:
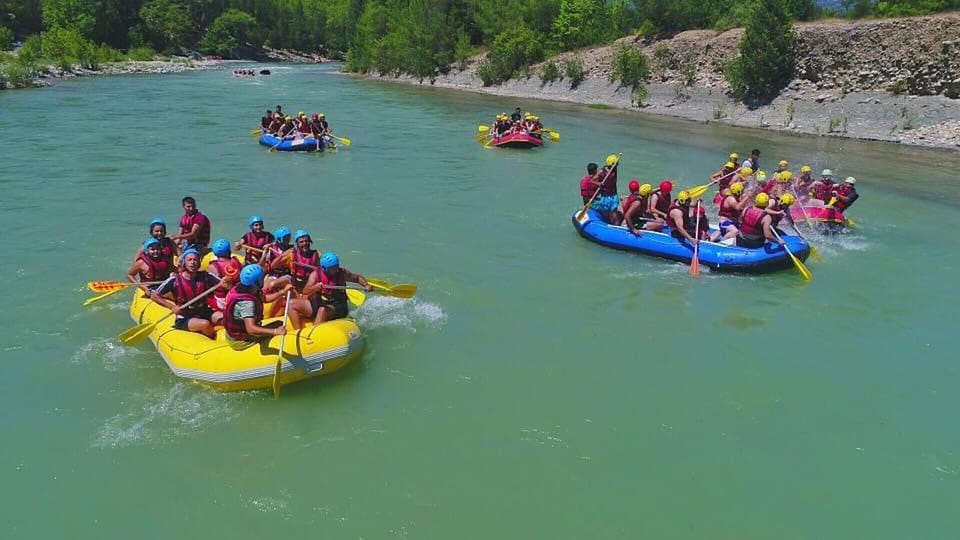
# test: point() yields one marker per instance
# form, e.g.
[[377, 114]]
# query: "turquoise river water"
[[539, 386]]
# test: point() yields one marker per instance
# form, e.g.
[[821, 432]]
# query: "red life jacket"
[[803, 183], [332, 296], [750, 225], [726, 179], [635, 197], [823, 191], [609, 186], [729, 213], [663, 202], [687, 218], [257, 241], [187, 289], [236, 328], [299, 273], [844, 190], [586, 188], [768, 186], [168, 249], [265, 122], [216, 299], [277, 270], [157, 270], [203, 234]]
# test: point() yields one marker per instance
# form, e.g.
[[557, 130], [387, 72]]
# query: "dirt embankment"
[[894, 80]]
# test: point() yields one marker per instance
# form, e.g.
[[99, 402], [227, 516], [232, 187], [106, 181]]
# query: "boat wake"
[[383, 311], [162, 416], [112, 354]]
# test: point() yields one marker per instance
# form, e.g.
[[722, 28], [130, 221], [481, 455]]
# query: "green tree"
[[167, 24], [76, 14], [766, 50], [232, 34], [6, 38], [581, 22]]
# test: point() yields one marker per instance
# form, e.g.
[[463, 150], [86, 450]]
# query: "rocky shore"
[[128, 67], [894, 80]]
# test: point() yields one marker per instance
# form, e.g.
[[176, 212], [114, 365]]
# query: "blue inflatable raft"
[[292, 145], [717, 256]]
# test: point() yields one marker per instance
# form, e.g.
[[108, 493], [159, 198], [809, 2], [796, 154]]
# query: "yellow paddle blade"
[[850, 223], [107, 286], [379, 284], [815, 253], [96, 299], [802, 268], [403, 290], [356, 297], [555, 136], [137, 334], [697, 192], [483, 129], [344, 140], [256, 131]]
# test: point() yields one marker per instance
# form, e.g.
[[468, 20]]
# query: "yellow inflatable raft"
[[309, 352]]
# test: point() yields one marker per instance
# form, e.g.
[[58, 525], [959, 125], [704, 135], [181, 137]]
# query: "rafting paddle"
[[278, 369], [138, 333], [697, 192], [554, 135], [107, 286], [695, 261], [802, 268], [597, 192], [813, 251], [344, 140]]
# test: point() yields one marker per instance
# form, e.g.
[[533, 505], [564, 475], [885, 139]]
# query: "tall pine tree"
[[766, 50]]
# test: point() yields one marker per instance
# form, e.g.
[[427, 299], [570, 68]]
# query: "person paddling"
[[724, 177], [730, 209], [607, 202], [804, 181], [243, 310], [256, 237], [636, 214], [755, 225], [189, 283], [659, 204], [194, 227], [845, 194], [265, 121], [680, 220], [823, 188], [303, 257], [331, 303], [288, 130], [150, 265]]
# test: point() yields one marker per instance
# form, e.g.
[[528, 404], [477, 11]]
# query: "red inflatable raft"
[[518, 140]]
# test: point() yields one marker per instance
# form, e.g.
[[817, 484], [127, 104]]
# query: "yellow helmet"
[[321, 115], [535, 117], [745, 171], [805, 169], [646, 189], [683, 196], [783, 163], [761, 200], [786, 199], [734, 156], [786, 176], [729, 165], [761, 176], [612, 160], [736, 188], [301, 113], [288, 117]]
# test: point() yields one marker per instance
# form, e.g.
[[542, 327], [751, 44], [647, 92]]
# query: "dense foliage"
[[766, 59]]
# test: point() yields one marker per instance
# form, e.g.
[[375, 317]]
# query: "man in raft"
[[804, 181], [724, 177], [659, 204], [194, 227], [257, 238], [243, 312], [823, 188], [226, 268], [321, 129], [265, 121], [730, 209], [845, 194], [189, 283], [607, 202], [150, 264], [680, 220], [753, 161], [636, 215], [516, 116], [305, 259], [288, 130], [331, 303], [756, 224]]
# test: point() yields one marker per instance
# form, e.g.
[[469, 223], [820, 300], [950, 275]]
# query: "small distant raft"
[[517, 140], [308, 144], [312, 351], [717, 256]]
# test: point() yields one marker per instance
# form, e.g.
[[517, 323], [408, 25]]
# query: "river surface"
[[539, 386]]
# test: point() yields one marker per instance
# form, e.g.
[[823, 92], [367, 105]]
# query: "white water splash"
[[160, 417], [107, 351], [383, 311]]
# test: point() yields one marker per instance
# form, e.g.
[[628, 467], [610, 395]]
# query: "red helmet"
[[634, 185], [666, 186], [314, 116]]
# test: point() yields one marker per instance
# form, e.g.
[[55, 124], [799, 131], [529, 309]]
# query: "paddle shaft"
[[191, 301], [695, 261], [597, 192], [279, 367]]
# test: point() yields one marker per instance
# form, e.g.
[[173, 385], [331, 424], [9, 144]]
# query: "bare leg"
[[299, 310], [202, 326]]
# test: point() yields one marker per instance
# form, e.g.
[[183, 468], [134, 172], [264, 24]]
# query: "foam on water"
[[162, 416], [106, 350], [384, 311]]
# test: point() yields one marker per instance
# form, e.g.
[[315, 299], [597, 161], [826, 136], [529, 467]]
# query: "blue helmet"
[[254, 219], [282, 232], [252, 274], [149, 242], [188, 251], [157, 221], [329, 260], [300, 234], [221, 248]]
